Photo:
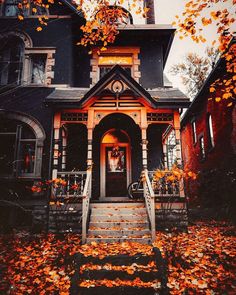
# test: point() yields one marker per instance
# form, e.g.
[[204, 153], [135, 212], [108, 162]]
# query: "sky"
[[165, 11]]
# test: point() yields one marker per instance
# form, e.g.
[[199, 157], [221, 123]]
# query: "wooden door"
[[116, 171]]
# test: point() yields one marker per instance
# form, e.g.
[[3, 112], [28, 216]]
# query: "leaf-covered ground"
[[201, 261]]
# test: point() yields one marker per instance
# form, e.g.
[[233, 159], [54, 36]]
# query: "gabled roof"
[[157, 98], [117, 73]]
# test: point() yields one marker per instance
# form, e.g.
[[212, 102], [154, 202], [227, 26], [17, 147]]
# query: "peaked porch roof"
[[117, 73], [163, 97]]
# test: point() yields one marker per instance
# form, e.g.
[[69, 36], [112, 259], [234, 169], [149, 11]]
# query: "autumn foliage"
[[221, 15], [201, 261]]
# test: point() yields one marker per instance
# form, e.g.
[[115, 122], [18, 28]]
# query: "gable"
[[117, 89]]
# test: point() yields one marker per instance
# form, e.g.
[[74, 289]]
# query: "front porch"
[[115, 132]]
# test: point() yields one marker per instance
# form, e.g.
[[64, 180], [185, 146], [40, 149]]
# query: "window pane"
[[11, 61], [7, 151], [210, 131], [202, 147], [105, 70], [38, 68], [11, 8], [27, 157], [194, 130]]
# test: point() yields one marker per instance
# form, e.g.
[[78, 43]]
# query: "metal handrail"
[[150, 203], [85, 204]]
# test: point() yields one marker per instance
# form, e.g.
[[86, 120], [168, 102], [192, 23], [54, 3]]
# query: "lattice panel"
[[159, 117], [75, 117]]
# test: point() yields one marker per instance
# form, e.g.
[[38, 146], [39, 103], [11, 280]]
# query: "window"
[[194, 131], [106, 62], [17, 155], [22, 149], [202, 148], [11, 60], [210, 131], [11, 8], [126, 57], [38, 62]]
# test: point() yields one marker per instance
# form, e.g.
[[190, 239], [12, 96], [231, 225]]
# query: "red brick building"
[[208, 131]]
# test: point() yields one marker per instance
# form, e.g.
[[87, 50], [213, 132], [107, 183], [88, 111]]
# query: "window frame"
[[6, 74], [194, 131], [49, 64], [36, 128], [210, 132], [202, 148], [132, 52], [28, 11]]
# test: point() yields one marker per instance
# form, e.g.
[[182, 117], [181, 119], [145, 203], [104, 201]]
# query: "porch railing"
[[69, 184], [85, 204], [150, 202], [165, 184]]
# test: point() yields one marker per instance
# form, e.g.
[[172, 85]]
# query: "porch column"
[[144, 147], [143, 127], [64, 146], [178, 148], [90, 148], [177, 139], [164, 146], [56, 141], [90, 126]]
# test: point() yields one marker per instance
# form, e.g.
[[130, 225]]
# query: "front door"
[[116, 171]]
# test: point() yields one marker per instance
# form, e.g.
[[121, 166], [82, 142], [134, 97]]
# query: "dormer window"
[[126, 57]]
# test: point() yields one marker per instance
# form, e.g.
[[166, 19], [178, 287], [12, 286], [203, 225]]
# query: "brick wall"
[[219, 160]]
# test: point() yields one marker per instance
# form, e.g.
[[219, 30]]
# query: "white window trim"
[[50, 62]]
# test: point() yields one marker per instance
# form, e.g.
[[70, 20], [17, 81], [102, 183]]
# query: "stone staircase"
[[120, 274], [118, 222]]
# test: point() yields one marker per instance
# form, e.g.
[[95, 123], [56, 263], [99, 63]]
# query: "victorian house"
[[92, 123]]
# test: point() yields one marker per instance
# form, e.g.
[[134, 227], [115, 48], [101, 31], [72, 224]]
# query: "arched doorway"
[[115, 165]]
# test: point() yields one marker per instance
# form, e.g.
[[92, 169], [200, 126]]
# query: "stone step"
[[118, 233], [131, 210], [110, 224], [89, 240], [117, 205], [114, 291], [121, 218]]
